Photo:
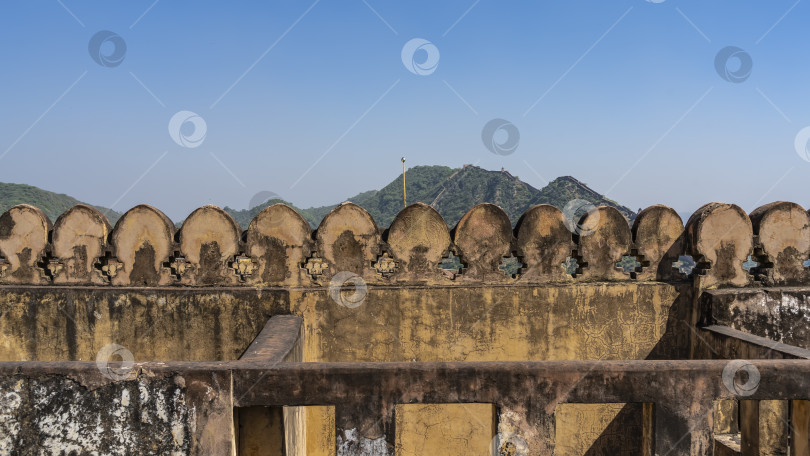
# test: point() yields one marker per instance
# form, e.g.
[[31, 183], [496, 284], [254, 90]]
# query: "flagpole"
[[404, 192]]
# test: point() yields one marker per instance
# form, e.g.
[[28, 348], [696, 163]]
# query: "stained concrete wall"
[[621, 321], [508, 323], [367, 294], [50, 416], [76, 323]]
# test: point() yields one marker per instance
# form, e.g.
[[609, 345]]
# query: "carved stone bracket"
[[243, 266], [385, 265], [315, 265], [50, 266], [109, 265], [53, 267], [178, 265]]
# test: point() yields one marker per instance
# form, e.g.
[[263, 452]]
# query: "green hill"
[[53, 204], [452, 192]]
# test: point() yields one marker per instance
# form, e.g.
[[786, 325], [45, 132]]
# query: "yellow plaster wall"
[[75, 323], [624, 320], [450, 323], [453, 428]]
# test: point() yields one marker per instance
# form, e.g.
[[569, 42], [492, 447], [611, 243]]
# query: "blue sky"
[[312, 100]]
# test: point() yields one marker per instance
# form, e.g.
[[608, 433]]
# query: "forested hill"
[[452, 192]]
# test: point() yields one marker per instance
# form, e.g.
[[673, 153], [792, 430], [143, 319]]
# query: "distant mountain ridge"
[[452, 192], [52, 204]]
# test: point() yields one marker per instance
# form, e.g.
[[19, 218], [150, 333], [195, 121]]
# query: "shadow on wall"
[[623, 436]]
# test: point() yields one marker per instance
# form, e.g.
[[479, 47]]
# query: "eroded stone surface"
[[419, 238], [782, 232], [604, 239], [658, 236], [721, 239], [79, 239], [280, 240], [142, 242], [544, 242], [56, 415], [352, 443], [23, 239], [209, 239], [483, 237], [349, 241]]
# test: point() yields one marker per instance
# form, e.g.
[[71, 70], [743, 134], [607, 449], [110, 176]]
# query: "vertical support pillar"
[[524, 428], [648, 429], [773, 427], [726, 417], [800, 428], [749, 428], [211, 396], [684, 428], [365, 429]]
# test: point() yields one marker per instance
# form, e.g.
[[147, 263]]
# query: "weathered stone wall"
[[279, 249], [87, 410], [775, 303], [203, 292], [76, 323], [50, 416], [508, 323]]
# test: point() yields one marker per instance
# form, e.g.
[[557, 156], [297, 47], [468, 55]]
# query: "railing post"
[[683, 428], [800, 428], [749, 428], [773, 426], [524, 428], [364, 429], [648, 429]]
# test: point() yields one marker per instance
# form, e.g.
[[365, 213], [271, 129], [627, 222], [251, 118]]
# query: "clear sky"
[[315, 101]]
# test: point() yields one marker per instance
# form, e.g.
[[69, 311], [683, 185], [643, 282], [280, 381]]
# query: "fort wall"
[[203, 292]]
